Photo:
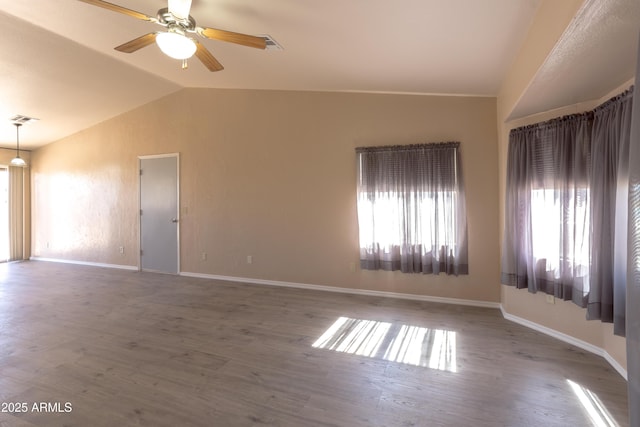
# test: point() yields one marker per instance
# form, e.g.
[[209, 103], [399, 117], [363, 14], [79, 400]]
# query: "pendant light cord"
[[18, 138]]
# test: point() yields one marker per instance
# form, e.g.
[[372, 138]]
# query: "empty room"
[[358, 213]]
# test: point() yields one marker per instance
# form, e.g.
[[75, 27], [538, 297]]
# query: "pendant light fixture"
[[18, 161]]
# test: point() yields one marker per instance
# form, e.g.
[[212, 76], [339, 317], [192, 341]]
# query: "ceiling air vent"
[[272, 44], [19, 118]]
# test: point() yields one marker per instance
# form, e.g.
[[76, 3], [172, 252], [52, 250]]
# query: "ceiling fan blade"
[[119, 9], [207, 58], [136, 44], [230, 36]]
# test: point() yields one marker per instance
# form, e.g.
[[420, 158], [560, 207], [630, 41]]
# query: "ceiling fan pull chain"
[[184, 64]]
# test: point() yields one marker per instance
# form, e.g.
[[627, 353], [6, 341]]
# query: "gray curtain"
[[16, 213], [566, 209], [633, 261], [411, 209], [546, 234], [609, 193]]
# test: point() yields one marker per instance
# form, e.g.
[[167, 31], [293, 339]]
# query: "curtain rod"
[[408, 147]]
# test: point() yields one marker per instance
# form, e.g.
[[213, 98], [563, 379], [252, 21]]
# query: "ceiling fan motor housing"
[[166, 18]]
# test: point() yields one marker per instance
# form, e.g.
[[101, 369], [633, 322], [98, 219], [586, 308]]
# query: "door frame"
[[178, 210]]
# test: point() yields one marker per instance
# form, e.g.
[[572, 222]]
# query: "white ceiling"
[[58, 63], [596, 54]]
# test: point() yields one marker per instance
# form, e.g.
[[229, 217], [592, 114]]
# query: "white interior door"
[[159, 226]]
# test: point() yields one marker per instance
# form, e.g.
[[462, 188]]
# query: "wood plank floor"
[[122, 348]]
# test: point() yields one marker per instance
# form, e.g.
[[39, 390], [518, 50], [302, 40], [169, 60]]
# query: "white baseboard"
[[614, 363], [366, 292], [92, 264], [568, 339]]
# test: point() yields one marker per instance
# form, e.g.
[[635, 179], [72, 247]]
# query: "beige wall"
[[565, 317], [269, 174]]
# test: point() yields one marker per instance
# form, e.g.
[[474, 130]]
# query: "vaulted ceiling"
[[58, 63]]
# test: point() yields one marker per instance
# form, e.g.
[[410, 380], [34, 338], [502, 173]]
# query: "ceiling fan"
[[175, 40]]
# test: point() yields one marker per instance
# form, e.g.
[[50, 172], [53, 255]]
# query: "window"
[[566, 209], [547, 218], [550, 207], [411, 209]]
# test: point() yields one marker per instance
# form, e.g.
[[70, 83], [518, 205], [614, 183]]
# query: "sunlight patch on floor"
[[599, 415], [412, 345]]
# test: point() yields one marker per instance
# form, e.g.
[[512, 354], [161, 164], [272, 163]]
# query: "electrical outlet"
[[121, 249], [249, 259], [203, 256], [551, 299], [352, 267]]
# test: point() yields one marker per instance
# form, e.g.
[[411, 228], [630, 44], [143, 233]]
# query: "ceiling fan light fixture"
[[176, 45]]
